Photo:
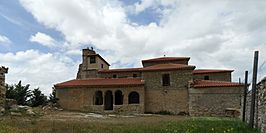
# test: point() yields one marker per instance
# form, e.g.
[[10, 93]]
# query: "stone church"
[[165, 84]]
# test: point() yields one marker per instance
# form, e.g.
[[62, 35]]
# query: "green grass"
[[189, 125]]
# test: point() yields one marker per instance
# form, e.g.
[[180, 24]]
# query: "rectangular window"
[[206, 77], [92, 59], [101, 65], [166, 79], [114, 76], [134, 75]]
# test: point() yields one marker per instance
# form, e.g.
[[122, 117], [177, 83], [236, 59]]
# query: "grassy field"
[[136, 124]]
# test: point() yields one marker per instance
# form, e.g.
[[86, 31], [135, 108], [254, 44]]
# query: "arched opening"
[[98, 98], [118, 97], [133, 98], [108, 100]]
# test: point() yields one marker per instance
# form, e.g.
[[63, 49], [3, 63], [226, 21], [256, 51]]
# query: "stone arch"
[[98, 98], [108, 100], [133, 98], [118, 97]]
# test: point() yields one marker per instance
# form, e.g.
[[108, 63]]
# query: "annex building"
[[166, 84]]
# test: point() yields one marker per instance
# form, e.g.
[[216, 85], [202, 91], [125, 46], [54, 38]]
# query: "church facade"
[[166, 84]]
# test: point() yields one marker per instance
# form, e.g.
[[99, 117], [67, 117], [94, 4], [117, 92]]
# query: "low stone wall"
[[215, 101], [260, 106]]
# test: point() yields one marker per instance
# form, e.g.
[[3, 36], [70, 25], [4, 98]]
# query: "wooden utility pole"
[[254, 89], [245, 96]]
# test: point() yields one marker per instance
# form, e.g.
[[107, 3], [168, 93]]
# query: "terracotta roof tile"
[[101, 82], [121, 70], [166, 59], [203, 71], [160, 67], [211, 83]]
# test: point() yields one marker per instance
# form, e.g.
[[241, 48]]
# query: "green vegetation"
[[18, 92], [187, 125], [24, 96]]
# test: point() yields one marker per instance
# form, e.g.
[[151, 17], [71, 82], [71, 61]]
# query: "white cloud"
[[4, 40], [38, 69], [43, 39], [220, 34]]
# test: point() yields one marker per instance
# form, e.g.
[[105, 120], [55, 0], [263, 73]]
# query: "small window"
[[166, 79], [134, 75], [206, 77], [133, 98], [101, 65], [92, 59], [114, 76]]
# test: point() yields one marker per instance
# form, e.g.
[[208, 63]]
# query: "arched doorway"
[[118, 97], [108, 100], [98, 98]]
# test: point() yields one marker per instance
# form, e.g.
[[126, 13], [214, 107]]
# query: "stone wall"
[[173, 98], [214, 101], [221, 76], [3, 71], [119, 74], [151, 63], [260, 106], [82, 99]]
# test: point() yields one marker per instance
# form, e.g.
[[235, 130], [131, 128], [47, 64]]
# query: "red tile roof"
[[121, 70], [204, 71], [211, 83], [102, 82], [166, 59], [161, 67]]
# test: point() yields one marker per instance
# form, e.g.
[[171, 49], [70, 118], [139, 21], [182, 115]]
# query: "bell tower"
[[91, 64]]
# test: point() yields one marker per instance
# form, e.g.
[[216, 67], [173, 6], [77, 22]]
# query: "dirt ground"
[[109, 118]]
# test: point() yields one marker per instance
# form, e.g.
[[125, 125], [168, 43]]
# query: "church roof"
[[166, 59], [102, 82], [210, 83], [157, 67], [204, 71], [161, 67]]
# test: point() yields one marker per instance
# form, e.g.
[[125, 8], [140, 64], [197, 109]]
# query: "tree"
[[37, 98], [22, 93], [10, 92], [18, 92], [52, 97]]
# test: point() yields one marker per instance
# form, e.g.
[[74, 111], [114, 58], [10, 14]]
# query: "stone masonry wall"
[[214, 101], [260, 106], [82, 99], [3, 71], [173, 98], [225, 76], [119, 74], [146, 64]]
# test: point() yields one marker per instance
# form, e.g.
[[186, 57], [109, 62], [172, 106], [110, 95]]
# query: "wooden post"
[[254, 83], [245, 96]]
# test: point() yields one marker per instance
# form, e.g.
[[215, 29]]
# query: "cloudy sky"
[[41, 40]]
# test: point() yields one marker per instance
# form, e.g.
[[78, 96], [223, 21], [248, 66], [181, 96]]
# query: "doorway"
[[108, 100]]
